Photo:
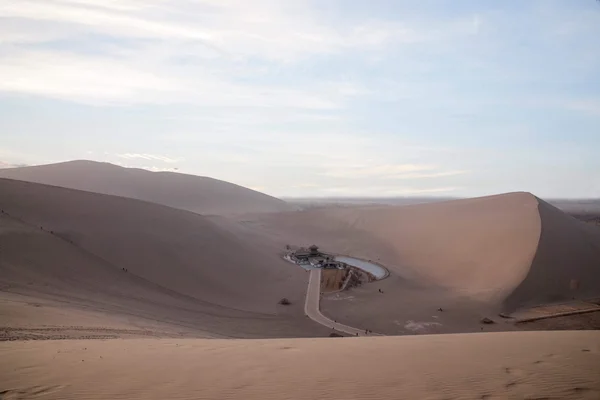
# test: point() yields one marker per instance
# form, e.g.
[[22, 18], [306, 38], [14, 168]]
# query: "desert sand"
[[67, 248], [451, 263], [522, 365], [198, 194], [192, 301], [473, 258]]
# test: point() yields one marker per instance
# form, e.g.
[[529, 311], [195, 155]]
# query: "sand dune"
[[475, 257], [220, 277], [524, 365], [67, 246], [568, 250], [83, 265], [188, 192]]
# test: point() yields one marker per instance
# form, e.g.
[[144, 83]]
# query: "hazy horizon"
[[325, 199], [311, 99]]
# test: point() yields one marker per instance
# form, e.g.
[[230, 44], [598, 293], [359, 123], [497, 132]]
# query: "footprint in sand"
[[516, 372], [581, 390]]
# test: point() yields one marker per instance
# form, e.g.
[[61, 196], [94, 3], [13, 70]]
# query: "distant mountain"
[[198, 194]]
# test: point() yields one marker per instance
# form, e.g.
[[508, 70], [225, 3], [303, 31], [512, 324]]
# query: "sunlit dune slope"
[[507, 250]]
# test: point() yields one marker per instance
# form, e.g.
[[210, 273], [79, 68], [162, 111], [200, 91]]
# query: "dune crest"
[[198, 194], [507, 251]]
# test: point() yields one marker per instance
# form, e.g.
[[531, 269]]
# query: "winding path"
[[311, 307]]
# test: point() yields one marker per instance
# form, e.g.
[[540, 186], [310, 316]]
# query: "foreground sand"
[[524, 365]]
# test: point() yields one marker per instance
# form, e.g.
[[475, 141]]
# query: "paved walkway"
[[311, 307], [556, 310]]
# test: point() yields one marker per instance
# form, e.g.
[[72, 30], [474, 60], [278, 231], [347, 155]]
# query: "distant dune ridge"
[[188, 192]]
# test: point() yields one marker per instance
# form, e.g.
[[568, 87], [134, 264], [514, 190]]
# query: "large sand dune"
[[188, 192], [471, 258], [77, 264], [568, 252], [524, 365], [70, 247], [475, 257]]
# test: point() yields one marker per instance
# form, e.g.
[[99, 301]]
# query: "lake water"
[[374, 269]]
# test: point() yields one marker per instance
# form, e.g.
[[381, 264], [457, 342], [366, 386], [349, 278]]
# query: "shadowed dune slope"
[[482, 248], [566, 263], [87, 239], [188, 192], [50, 288]]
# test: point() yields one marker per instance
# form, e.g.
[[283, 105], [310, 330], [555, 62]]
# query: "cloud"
[[206, 52], [108, 80], [383, 191], [588, 106], [270, 29], [152, 168], [365, 170], [258, 188], [430, 175], [4, 164], [153, 157], [389, 171], [79, 78], [306, 186], [335, 94], [10, 157]]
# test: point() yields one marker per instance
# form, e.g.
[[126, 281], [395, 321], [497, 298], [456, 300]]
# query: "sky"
[[320, 98]]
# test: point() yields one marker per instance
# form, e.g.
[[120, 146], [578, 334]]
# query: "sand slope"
[[188, 192], [525, 365], [568, 250], [182, 268], [474, 256], [480, 247]]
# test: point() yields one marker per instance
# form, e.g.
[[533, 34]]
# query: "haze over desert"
[[299, 199]]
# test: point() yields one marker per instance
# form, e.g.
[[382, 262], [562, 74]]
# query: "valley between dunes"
[[179, 265]]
